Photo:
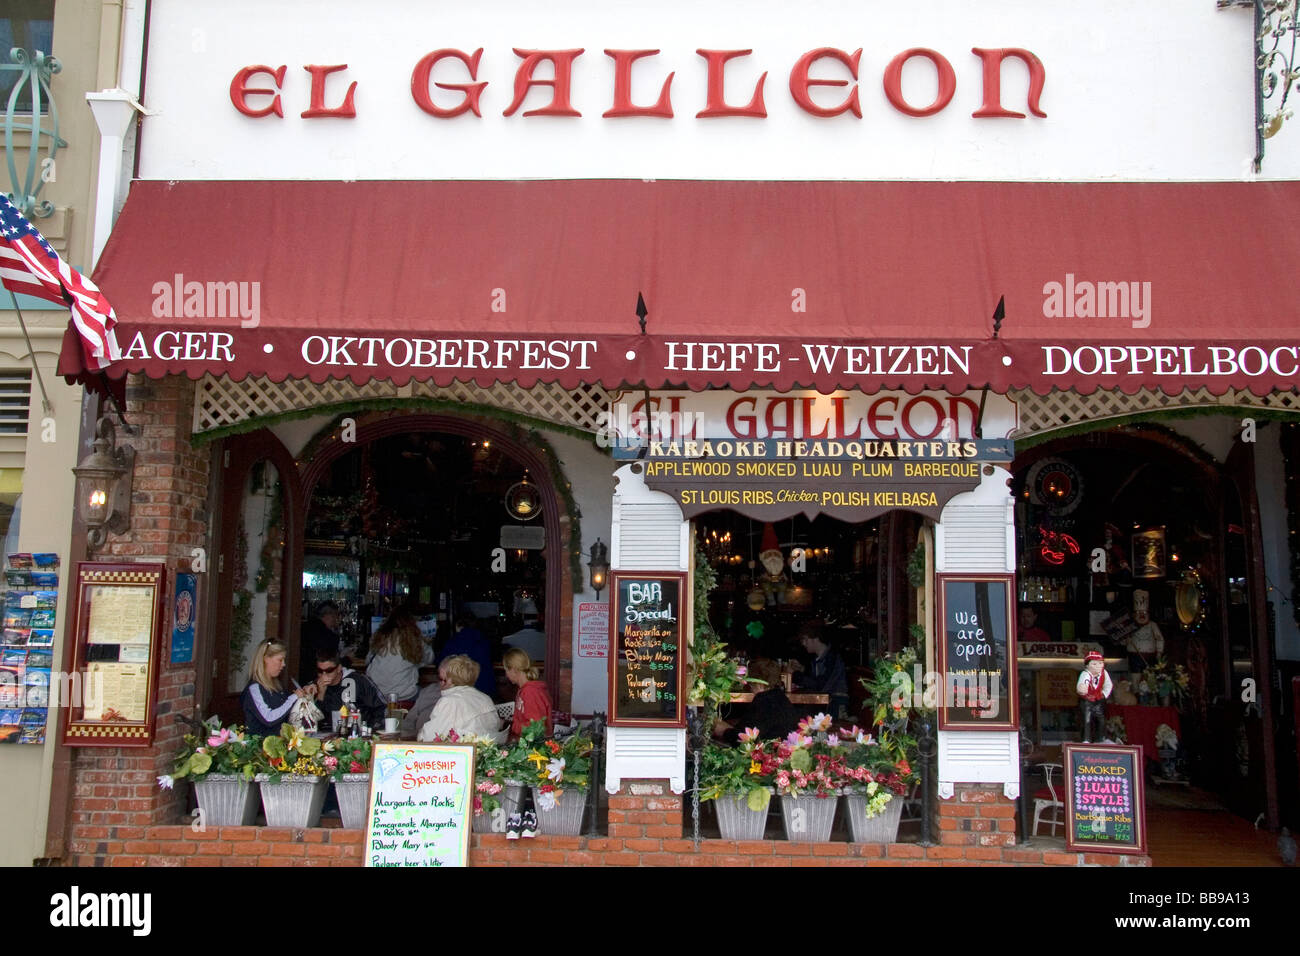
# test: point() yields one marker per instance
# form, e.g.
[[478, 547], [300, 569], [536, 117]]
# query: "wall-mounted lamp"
[[104, 486], [599, 567]]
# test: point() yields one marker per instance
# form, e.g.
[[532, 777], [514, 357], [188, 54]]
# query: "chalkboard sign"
[[1105, 799], [976, 658], [421, 804], [647, 656]]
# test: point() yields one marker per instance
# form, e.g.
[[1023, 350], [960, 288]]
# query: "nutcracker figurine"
[[1094, 687]]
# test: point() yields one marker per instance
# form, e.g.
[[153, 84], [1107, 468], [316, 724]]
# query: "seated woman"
[[397, 652], [461, 708], [533, 701], [266, 700]]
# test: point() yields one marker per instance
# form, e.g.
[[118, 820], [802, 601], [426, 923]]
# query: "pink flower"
[[751, 733], [331, 763], [478, 804], [491, 773], [219, 738]]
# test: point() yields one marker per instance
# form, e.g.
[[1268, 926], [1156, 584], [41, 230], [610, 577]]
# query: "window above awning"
[[748, 284]]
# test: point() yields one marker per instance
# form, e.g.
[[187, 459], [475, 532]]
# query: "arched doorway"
[[1127, 529], [451, 515]]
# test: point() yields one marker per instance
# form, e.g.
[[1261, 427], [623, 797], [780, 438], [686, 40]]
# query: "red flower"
[[553, 746], [356, 768]]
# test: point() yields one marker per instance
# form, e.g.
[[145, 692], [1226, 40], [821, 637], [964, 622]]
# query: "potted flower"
[[293, 778], [808, 778], [558, 769], [347, 761], [739, 781], [876, 778], [220, 761], [498, 789], [1171, 682]]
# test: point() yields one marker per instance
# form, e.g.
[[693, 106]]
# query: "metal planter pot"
[[565, 818], [736, 821], [353, 791], [226, 799], [882, 828], [294, 801], [808, 819], [495, 822]]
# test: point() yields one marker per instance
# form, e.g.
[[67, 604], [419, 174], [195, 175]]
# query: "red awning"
[[826, 285]]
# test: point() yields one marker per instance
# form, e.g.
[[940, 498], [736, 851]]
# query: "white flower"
[[555, 769], [546, 800], [166, 781]]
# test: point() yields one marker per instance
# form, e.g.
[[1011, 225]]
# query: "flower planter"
[[353, 791], [294, 801], [226, 799], [882, 828], [736, 821], [495, 822], [565, 818], [808, 819]]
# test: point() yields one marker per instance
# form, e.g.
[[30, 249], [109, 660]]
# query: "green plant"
[[211, 748], [292, 753], [551, 764], [340, 755], [732, 771], [895, 703], [712, 673]]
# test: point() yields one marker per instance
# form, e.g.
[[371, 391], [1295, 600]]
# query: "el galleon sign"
[[772, 455]]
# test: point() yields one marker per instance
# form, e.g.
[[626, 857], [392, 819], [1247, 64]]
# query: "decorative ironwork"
[[36, 70], [1276, 68]]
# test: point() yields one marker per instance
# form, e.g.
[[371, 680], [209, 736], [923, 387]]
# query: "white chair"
[[1047, 801]]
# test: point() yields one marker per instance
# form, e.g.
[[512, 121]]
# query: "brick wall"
[[115, 788], [645, 829]]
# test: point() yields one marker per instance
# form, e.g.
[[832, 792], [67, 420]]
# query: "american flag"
[[29, 264]]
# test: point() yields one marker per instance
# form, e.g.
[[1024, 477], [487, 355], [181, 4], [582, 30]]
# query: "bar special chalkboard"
[[1105, 799], [647, 657], [976, 658]]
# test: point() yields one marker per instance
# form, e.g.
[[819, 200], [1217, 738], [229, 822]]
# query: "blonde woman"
[[397, 652], [533, 700], [461, 708], [266, 699]]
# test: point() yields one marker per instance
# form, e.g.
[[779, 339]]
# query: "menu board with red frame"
[[116, 636], [647, 655]]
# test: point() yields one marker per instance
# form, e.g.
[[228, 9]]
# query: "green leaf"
[[199, 763], [274, 747], [309, 747], [801, 760], [758, 799]]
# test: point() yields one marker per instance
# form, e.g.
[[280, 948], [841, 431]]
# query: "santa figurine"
[[1094, 687]]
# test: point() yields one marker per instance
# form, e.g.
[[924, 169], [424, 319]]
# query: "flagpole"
[[36, 368]]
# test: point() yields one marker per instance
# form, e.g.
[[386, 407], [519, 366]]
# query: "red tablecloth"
[[1141, 723]]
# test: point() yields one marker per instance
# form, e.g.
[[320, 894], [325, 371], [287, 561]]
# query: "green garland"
[[712, 676]]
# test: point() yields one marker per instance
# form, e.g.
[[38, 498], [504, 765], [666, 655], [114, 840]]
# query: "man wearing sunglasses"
[[337, 685]]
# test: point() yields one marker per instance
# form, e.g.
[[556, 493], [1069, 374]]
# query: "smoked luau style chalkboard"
[[1105, 799], [647, 656], [976, 657]]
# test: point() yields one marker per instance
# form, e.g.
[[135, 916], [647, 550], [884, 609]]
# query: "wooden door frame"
[[236, 458], [1239, 475]]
